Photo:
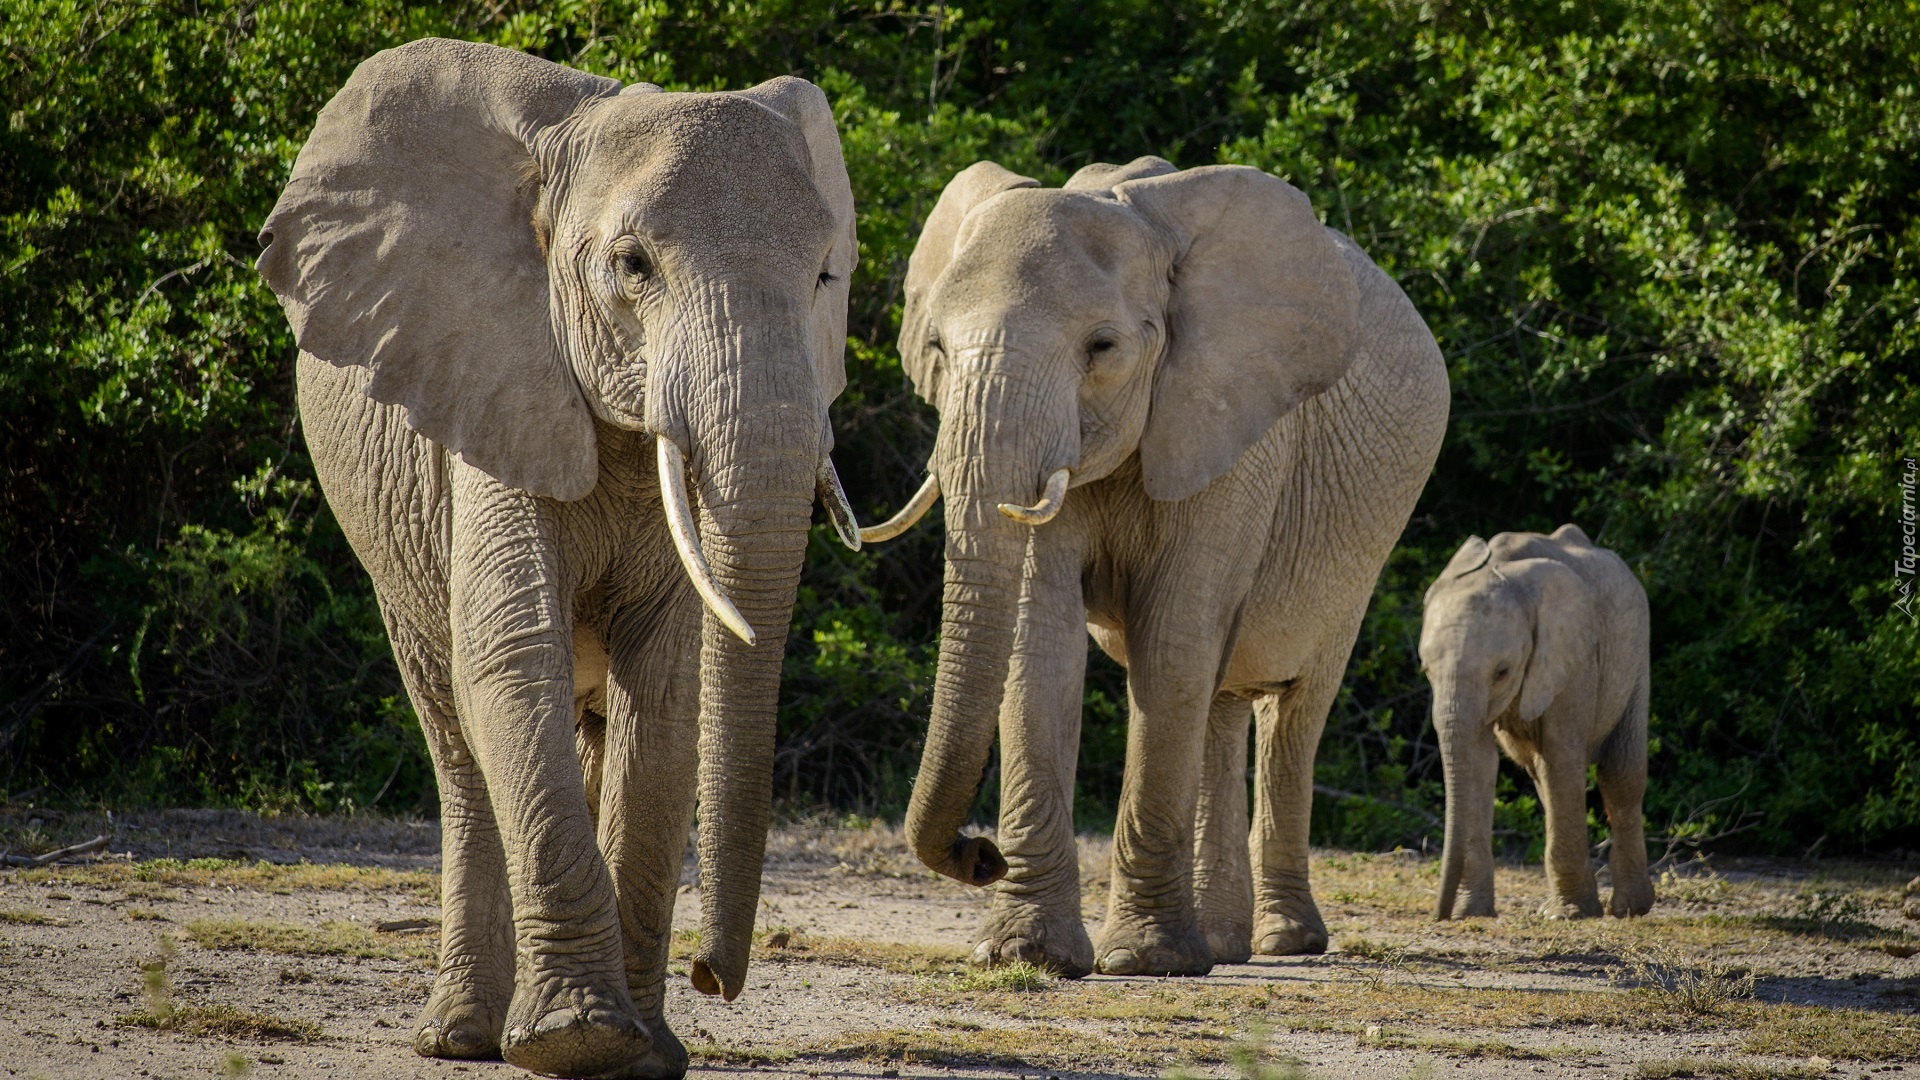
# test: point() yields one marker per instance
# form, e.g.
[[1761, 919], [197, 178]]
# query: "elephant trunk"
[[1471, 760], [755, 471], [985, 554]]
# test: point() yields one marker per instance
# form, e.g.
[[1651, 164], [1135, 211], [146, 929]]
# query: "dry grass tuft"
[[327, 939], [1702, 989], [23, 917], [222, 1022], [1015, 978], [260, 876]]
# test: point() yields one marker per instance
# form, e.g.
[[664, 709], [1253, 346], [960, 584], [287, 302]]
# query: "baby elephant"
[[1539, 644]]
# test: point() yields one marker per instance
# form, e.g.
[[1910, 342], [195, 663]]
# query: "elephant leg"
[[468, 1006], [1222, 873], [1287, 735], [1561, 778], [513, 689], [1152, 926], [1623, 784], [1035, 911], [646, 807]]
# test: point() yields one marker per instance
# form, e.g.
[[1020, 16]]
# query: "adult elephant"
[[1538, 645], [1245, 410], [541, 318]]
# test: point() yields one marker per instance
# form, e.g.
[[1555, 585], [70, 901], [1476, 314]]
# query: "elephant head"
[[526, 256], [1139, 310], [1506, 627]]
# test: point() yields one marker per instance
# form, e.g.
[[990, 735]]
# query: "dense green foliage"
[[1669, 250]]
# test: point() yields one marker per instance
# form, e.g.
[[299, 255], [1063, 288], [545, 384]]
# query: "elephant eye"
[[1501, 672], [1100, 345], [634, 264], [827, 278]]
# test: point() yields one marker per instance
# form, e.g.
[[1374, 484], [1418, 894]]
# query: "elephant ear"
[[806, 106], [1563, 630], [970, 187], [1101, 176], [1471, 556], [404, 243], [1261, 317]]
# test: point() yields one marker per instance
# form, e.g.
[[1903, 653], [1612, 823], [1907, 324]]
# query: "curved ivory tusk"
[[835, 498], [908, 516], [1050, 503], [686, 540]]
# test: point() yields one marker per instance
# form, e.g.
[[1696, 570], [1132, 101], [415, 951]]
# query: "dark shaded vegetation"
[[1669, 250]]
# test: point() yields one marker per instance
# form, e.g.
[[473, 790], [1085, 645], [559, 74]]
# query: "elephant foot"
[[1230, 944], [1055, 943], [1283, 935], [1631, 897], [1152, 950], [666, 1061], [568, 1030], [456, 1026], [1560, 908]]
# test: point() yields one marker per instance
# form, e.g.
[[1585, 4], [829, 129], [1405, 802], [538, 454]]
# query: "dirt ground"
[[218, 943]]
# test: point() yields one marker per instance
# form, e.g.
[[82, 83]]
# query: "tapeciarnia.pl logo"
[[1903, 566]]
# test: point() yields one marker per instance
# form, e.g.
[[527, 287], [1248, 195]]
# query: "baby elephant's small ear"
[[404, 243], [1471, 556], [1261, 317]]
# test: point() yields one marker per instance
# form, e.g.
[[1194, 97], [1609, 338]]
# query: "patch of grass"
[[1697, 990], [1368, 949], [1016, 978], [23, 917], [262, 876], [138, 914], [1734, 1070], [1835, 1034], [1377, 1038], [222, 1022], [327, 939]]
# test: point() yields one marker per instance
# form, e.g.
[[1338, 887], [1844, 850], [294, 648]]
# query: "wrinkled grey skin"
[[506, 278], [1250, 409], [1537, 645]]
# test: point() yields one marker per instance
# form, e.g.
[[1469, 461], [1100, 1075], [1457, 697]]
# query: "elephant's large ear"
[[1261, 317], [404, 242], [970, 187], [806, 105], [1563, 631], [1471, 556]]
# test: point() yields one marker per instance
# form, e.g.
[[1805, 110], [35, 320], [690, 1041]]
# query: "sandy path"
[[870, 980]]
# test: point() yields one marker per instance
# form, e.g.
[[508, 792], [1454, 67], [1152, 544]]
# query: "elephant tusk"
[[1050, 503], [908, 516], [835, 498], [686, 540]]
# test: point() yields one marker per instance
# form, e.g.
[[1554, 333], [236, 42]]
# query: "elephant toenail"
[[1120, 962], [557, 1020]]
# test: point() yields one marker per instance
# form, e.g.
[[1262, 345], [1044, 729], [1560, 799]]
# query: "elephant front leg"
[[1152, 926], [513, 685], [1222, 874], [1561, 779], [1035, 912], [1288, 725], [468, 1006], [646, 809]]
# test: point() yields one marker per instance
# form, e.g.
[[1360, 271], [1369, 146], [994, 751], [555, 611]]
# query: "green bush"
[[1669, 251]]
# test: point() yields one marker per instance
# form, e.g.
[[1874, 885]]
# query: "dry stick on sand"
[[98, 843]]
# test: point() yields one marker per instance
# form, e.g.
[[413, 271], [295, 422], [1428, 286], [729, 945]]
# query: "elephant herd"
[[566, 353]]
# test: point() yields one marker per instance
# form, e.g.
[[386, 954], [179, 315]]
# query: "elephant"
[[1538, 645], [565, 351], [1243, 410]]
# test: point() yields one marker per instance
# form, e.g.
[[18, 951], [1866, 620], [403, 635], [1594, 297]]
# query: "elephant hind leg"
[[467, 1009], [1222, 873], [1287, 734], [1622, 774]]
